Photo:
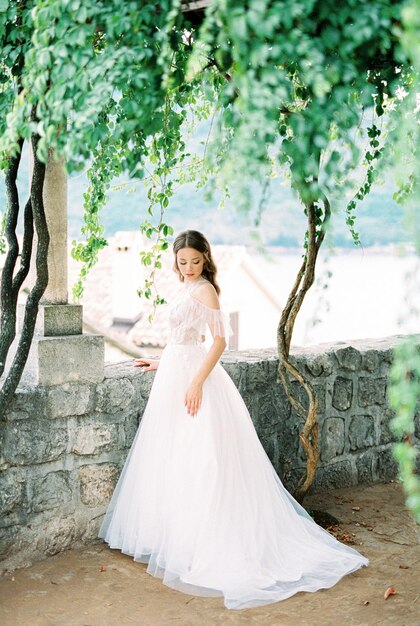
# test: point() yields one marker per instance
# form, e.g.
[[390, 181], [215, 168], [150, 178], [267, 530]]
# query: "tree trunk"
[[34, 214], [8, 294], [287, 371]]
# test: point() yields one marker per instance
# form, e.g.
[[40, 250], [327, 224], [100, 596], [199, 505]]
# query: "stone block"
[[91, 529], [32, 442], [328, 363], [290, 476], [59, 360], [301, 395], [12, 493], [28, 402], [384, 466], [387, 356], [361, 432], [146, 384], [259, 374], [131, 424], [370, 361], [335, 476], [97, 483], [332, 438], [320, 393], [342, 393], [7, 541], [385, 433], [364, 465], [371, 391], [58, 535], [55, 319], [114, 394], [141, 388], [94, 438], [249, 401], [349, 358], [242, 383], [50, 491], [232, 370], [272, 363], [288, 442], [269, 409], [69, 399], [314, 366]]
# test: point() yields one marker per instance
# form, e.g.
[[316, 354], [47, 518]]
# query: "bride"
[[198, 499]]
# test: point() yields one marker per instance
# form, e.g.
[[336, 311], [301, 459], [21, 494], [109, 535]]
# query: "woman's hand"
[[193, 398], [146, 364]]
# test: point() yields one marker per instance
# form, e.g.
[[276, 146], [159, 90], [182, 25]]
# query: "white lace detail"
[[189, 317]]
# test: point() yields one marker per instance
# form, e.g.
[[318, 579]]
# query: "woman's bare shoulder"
[[207, 295]]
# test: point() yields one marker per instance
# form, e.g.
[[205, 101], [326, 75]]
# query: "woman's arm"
[[193, 397], [146, 364]]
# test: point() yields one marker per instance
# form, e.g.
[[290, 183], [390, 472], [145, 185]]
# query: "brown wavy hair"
[[197, 241]]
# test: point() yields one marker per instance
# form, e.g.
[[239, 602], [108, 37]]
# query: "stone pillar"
[[55, 203], [60, 352]]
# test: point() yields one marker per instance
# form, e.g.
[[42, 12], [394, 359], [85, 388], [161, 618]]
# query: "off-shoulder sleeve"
[[216, 319]]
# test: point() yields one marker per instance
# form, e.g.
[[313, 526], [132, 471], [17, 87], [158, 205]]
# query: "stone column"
[[55, 203], [60, 352]]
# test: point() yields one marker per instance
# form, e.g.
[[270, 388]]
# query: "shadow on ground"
[[96, 586]]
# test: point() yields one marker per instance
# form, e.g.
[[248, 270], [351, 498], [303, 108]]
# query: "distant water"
[[282, 222], [370, 293]]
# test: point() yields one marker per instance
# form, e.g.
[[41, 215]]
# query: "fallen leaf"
[[102, 568], [404, 566], [391, 591], [342, 535]]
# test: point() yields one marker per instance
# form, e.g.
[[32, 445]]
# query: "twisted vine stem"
[[317, 224]]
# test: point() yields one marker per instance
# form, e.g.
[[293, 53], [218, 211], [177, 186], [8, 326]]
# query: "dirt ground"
[[96, 586]]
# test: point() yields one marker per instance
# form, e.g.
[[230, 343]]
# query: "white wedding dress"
[[198, 499]]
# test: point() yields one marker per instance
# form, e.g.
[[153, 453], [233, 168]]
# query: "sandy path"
[[96, 586]]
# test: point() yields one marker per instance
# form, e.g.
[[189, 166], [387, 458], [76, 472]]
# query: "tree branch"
[[32, 304], [8, 293]]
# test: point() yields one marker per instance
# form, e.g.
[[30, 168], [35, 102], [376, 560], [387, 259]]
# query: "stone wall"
[[64, 446]]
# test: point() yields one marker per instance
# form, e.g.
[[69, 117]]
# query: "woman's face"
[[190, 263]]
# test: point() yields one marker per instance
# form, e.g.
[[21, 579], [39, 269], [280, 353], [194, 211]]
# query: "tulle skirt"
[[200, 502]]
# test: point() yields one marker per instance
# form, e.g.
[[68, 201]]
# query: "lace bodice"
[[189, 317]]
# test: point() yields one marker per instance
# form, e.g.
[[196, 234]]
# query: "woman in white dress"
[[198, 498]]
